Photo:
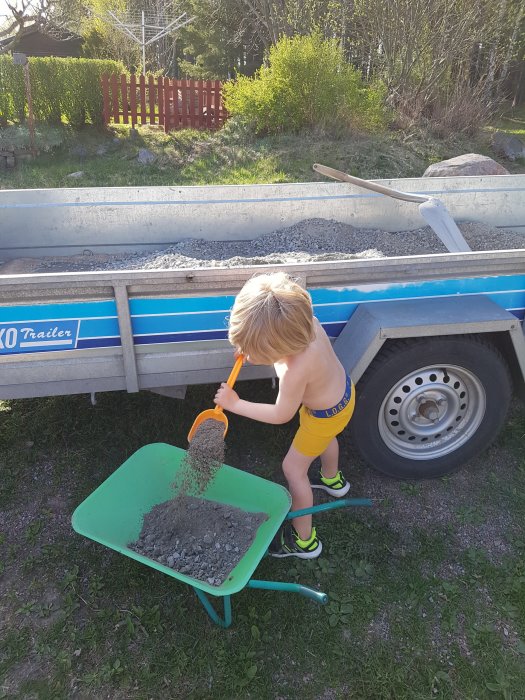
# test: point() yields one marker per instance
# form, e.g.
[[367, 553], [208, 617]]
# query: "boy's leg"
[[330, 460], [330, 478], [295, 468]]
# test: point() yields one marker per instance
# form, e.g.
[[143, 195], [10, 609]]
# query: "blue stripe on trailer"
[[64, 312], [147, 325], [180, 305], [99, 328], [410, 290], [180, 337], [99, 343]]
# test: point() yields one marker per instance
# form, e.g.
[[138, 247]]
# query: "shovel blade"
[[209, 414]]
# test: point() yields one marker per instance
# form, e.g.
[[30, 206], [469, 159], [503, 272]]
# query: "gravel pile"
[[205, 540], [307, 241]]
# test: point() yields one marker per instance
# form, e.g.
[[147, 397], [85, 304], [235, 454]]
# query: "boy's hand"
[[226, 397]]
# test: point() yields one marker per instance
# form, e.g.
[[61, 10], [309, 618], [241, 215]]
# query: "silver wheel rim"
[[432, 412]]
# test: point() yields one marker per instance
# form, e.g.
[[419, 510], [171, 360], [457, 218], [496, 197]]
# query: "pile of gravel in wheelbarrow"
[[310, 240], [204, 539]]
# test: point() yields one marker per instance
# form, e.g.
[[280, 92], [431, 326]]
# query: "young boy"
[[272, 322]]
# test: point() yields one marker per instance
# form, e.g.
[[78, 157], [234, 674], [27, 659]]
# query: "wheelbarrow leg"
[[226, 622]]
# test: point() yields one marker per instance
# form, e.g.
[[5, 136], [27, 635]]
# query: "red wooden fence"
[[173, 104]]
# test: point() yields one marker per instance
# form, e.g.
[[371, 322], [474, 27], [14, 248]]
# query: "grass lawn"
[[427, 588], [233, 156]]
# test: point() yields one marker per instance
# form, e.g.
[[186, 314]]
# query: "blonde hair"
[[272, 317]]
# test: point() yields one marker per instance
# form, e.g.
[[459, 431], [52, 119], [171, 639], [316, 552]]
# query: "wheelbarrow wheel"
[[427, 406]]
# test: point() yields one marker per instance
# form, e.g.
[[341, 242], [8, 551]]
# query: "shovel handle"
[[366, 184], [233, 377], [235, 371]]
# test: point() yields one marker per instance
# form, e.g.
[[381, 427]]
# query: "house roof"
[[36, 41]]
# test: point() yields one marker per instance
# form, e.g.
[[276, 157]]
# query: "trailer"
[[434, 343]]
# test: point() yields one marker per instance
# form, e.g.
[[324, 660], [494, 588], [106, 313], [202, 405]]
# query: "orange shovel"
[[217, 412]]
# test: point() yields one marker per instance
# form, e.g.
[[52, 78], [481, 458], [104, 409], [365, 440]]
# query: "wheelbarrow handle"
[[343, 503], [318, 596]]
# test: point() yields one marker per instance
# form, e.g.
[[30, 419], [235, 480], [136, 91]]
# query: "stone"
[[78, 174], [508, 145], [146, 157], [468, 164]]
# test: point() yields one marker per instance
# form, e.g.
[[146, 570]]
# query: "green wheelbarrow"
[[112, 515]]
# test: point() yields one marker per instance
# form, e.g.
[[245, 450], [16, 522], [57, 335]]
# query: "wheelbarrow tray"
[[113, 514]]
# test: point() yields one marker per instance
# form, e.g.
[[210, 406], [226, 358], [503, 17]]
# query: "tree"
[[101, 40], [51, 16], [437, 54]]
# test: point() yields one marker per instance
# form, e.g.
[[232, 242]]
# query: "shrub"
[[60, 88], [16, 136], [12, 91], [305, 83]]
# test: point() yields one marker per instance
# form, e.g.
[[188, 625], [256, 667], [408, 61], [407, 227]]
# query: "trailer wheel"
[[426, 406]]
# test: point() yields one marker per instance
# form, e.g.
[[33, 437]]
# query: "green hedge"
[[306, 82], [62, 89]]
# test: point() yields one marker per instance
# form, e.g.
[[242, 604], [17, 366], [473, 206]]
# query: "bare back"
[[320, 367]]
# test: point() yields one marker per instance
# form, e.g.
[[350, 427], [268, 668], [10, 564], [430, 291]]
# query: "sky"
[[3, 9]]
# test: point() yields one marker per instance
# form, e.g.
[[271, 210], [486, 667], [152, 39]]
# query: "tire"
[[426, 406]]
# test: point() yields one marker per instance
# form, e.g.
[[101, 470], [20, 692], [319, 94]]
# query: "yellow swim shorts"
[[316, 433]]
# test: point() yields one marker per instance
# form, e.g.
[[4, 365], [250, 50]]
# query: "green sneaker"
[[338, 486], [286, 543]]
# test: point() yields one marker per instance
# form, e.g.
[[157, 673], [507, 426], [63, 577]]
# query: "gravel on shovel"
[[204, 457]]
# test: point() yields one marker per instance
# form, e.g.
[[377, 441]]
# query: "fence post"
[[151, 99], [222, 111], [200, 108], [124, 96], [216, 104], [114, 96], [167, 115], [183, 103], [160, 99], [142, 84], [208, 104], [133, 99]]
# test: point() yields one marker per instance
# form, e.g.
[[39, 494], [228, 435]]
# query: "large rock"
[[468, 164], [508, 145], [146, 157]]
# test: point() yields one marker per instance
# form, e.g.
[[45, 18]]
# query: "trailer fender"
[[373, 323]]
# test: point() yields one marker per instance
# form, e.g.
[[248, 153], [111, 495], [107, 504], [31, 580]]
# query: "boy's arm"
[[291, 391]]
